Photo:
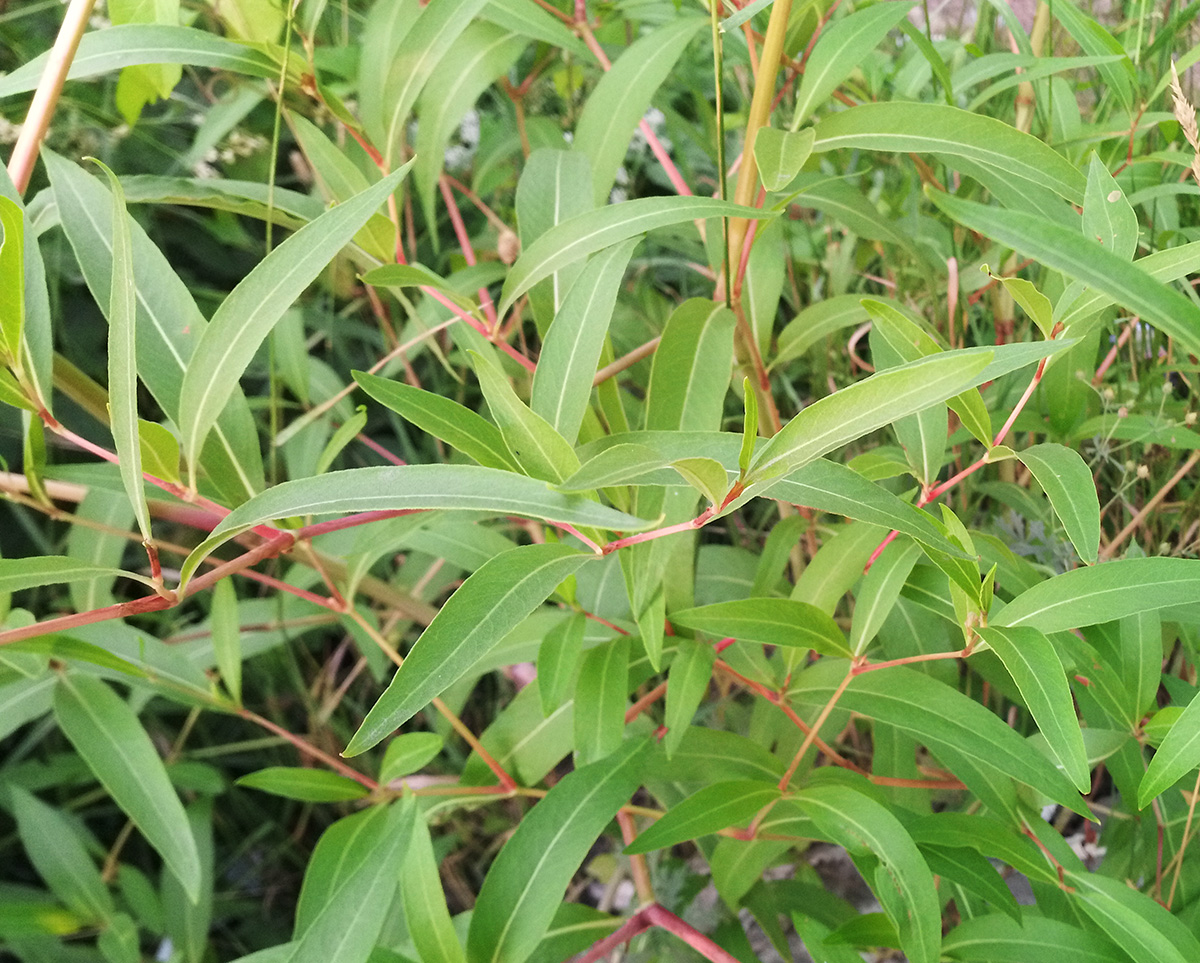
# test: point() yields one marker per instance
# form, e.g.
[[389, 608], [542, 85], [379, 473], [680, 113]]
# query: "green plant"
[[585, 443]]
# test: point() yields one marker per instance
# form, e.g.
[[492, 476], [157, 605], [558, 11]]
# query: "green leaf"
[[347, 922], [493, 601], [690, 373], [620, 99], [562, 382], [407, 276], [1083, 259], [227, 637], [252, 309], [840, 48], [458, 426], [1034, 666], [1173, 264], [346, 433], [1032, 939], [593, 231], [880, 590], [1135, 922], [1107, 217], [1104, 593], [1098, 41], [122, 359], [113, 48], [706, 475], [619, 464], [60, 857], [159, 450], [12, 271], [1067, 482], [540, 450], [528, 878], [534, 22], [969, 869], [749, 428], [903, 882], [425, 911], [411, 487], [687, 681], [1033, 303], [307, 785], [107, 734], [951, 132], [985, 835], [784, 622], [600, 700], [1178, 755], [23, 573], [558, 661], [780, 154], [711, 809], [409, 753]]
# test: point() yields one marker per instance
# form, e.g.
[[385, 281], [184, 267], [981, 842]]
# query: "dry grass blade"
[[1185, 113]]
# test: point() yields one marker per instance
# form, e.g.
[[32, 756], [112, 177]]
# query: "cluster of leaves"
[[618, 429]]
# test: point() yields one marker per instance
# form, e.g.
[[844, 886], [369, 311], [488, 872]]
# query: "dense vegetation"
[[494, 480]]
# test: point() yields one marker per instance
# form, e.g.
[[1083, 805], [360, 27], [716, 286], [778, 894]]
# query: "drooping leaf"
[[486, 607], [1067, 482], [23, 573], [1177, 755], [528, 878], [107, 734]]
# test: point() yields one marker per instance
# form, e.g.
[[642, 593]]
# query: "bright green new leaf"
[[1104, 593], [619, 100], [527, 880], [458, 426], [687, 681], [346, 433], [706, 475], [713, 808], [593, 231], [1107, 217], [493, 601], [749, 427], [879, 592], [160, 451], [409, 753], [784, 622], [1033, 303], [248, 313], [1034, 666], [307, 785], [780, 154], [903, 882], [600, 700], [558, 662], [1177, 755], [1067, 482], [107, 734], [122, 358], [425, 912], [1083, 259]]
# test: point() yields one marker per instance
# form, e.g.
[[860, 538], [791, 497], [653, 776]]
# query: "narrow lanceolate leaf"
[[562, 383], [160, 451], [1178, 755], [619, 100], [456, 425], [711, 809], [1104, 593], [952, 132], [1107, 217], [12, 278], [880, 590], [486, 607], [540, 450], [1085, 260], [346, 927], [687, 681], [23, 573], [1032, 939], [1165, 266], [251, 310], [601, 695], [780, 154], [1067, 482], [412, 487], [593, 231], [558, 662], [227, 637], [307, 785], [527, 880], [1142, 927], [903, 882], [425, 911], [783, 622], [107, 734], [840, 49], [1034, 666], [113, 48], [122, 359]]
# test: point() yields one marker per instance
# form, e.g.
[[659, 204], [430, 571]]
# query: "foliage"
[[760, 451]]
